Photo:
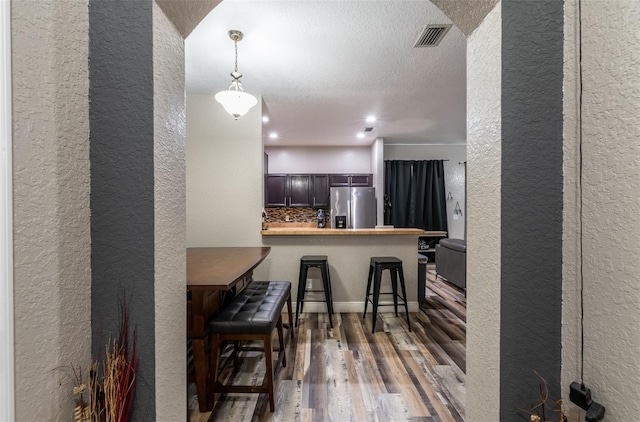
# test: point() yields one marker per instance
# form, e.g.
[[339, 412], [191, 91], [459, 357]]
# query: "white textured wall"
[[224, 175], [611, 205], [170, 218], [348, 263], [483, 230], [51, 203], [377, 169], [319, 159], [453, 175]]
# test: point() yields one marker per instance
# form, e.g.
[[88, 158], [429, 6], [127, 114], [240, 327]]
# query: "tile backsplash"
[[296, 215]]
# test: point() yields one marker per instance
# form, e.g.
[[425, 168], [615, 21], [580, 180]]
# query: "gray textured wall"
[[531, 282], [122, 180]]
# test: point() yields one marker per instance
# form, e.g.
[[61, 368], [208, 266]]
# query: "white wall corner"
[[484, 60], [377, 169], [169, 141], [51, 196]]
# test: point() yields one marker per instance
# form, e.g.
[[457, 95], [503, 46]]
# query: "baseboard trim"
[[319, 307]]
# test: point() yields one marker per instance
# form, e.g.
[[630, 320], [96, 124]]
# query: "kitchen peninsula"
[[312, 231], [349, 252]]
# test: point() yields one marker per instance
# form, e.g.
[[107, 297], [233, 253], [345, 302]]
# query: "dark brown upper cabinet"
[[307, 190], [289, 190], [300, 190], [320, 191], [361, 180], [338, 180], [277, 192]]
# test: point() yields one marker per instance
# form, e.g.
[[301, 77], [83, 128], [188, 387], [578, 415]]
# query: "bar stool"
[[376, 266], [317, 261]]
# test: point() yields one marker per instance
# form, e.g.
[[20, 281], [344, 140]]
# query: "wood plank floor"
[[349, 374]]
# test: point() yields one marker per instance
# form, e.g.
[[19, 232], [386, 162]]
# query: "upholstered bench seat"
[[251, 315], [255, 310]]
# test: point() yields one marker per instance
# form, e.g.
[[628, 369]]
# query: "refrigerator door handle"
[[349, 222]]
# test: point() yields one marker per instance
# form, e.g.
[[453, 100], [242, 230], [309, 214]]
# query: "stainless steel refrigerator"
[[357, 206]]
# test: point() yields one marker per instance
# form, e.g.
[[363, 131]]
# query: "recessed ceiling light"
[[371, 119], [273, 135], [360, 135], [265, 119]]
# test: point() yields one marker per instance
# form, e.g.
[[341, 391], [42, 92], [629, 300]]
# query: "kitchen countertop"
[[313, 231]]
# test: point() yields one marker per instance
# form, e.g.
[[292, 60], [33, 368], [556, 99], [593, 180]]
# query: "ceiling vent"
[[432, 35], [368, 129]]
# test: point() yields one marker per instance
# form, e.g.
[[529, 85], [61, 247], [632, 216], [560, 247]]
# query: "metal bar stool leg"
[[329, 283], [368, 292], [290, 312], [393, 272], [376, 296], [302, 285], [327, 293], [404, 297]]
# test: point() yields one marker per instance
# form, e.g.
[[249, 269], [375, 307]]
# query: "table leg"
[[200, 368]]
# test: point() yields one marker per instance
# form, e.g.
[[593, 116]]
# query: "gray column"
[[122, 181], [531, 296]]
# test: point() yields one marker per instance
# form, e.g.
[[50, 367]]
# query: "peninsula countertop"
[[313, 231]]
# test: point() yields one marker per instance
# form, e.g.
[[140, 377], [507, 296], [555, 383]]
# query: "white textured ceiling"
[[323, 66]]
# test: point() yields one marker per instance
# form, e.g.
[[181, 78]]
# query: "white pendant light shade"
[[235, 101]]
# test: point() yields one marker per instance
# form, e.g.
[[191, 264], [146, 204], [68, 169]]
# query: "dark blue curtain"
[[414, 194]]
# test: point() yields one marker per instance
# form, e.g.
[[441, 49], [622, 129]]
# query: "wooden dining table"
[[213, 273]]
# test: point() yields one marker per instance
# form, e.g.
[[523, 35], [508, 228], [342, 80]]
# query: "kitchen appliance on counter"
[[353, 207], [340, 222], [321, 218]]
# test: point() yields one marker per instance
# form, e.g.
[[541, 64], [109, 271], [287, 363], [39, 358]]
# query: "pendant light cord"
[[580, 153]]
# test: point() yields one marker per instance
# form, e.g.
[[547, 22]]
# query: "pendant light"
[[234, 100]]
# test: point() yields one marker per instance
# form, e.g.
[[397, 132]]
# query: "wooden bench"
[[251, 315]]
